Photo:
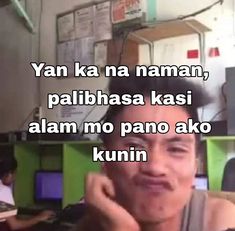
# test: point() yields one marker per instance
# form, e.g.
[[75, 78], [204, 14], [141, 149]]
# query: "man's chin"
[[152, 216], [153, 211]]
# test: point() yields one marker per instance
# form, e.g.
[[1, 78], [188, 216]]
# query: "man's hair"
[[7, 165], [163, 85]]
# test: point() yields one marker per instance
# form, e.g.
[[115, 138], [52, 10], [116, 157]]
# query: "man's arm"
[[222, 214], [16, 223]]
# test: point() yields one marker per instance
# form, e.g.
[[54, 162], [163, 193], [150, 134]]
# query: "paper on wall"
[[66, 27], [101, 52], [65, 55], [103, 25], [84, 22], [74, 113], [124, 10], [84, 51]]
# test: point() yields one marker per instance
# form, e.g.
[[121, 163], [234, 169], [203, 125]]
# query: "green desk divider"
[[51, 157], [217, 156], [28, 159], [73, 158], [77, 162]]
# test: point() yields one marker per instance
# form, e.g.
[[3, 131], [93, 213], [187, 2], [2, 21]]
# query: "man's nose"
[[156, 164]]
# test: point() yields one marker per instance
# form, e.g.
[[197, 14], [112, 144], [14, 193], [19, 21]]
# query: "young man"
[[8, 166], [156, 195]]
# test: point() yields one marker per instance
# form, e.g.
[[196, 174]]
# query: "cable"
[[223, 92], [125, 37], [202, 10], [192, 14], [225, 99], [28, 116]]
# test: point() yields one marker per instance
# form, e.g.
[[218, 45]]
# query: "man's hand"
[[100, 196], [45, 215], [16, 223]]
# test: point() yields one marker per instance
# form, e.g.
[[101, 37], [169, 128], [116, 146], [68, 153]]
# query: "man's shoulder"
[[6, 194], [5, 189], [221, 206], [221, 213]]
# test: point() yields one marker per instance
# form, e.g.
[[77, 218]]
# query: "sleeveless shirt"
[[194, 212], [193, 218]]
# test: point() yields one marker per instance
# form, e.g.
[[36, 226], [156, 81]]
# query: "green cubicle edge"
[[74, 158], [27, 156], [216, 159], [77, 162]]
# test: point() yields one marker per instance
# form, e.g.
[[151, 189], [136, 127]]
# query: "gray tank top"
[[194, 212], [193, 215]]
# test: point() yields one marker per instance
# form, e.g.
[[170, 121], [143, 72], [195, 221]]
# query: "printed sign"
[[124, 10]]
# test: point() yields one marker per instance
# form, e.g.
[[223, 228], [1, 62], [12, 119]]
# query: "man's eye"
[[135, 145], [177, 150]]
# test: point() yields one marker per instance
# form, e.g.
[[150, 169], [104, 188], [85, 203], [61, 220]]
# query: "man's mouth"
[[154, 185]]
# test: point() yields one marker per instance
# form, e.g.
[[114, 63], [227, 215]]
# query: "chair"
[[228, 182]]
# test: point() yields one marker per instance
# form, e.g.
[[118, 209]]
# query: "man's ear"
[[6, 177]]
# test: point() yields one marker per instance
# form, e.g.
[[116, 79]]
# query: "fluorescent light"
[[22, 13]]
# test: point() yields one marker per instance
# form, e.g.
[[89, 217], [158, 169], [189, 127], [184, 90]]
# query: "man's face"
[[9, 178], [160, 188]]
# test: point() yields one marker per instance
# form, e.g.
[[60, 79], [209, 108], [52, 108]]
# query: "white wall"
[[221, 20], [20, 91], [172, 51], [18, 88], [51, 8]]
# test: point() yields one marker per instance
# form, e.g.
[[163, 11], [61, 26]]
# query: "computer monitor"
[[201, 182], [48, 186]]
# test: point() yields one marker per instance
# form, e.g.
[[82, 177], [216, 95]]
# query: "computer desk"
[[49, 225], [46, 226]]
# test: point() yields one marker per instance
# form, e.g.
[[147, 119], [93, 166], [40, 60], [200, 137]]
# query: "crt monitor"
[[201, 182], [48, 186]]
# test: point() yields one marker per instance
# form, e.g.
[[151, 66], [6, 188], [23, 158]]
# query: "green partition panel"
[[51, 157], [216, 160], [27, 156], [77, 162]]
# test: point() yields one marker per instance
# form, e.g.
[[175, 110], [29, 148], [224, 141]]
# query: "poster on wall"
[[66, 27], [101, 54], [84, 22], [74, 113], [102, 22], [84, 51], [65, 55], [77, 33], [124, 10]]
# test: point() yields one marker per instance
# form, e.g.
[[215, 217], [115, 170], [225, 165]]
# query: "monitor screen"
[[48, 185], [201, 182]]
